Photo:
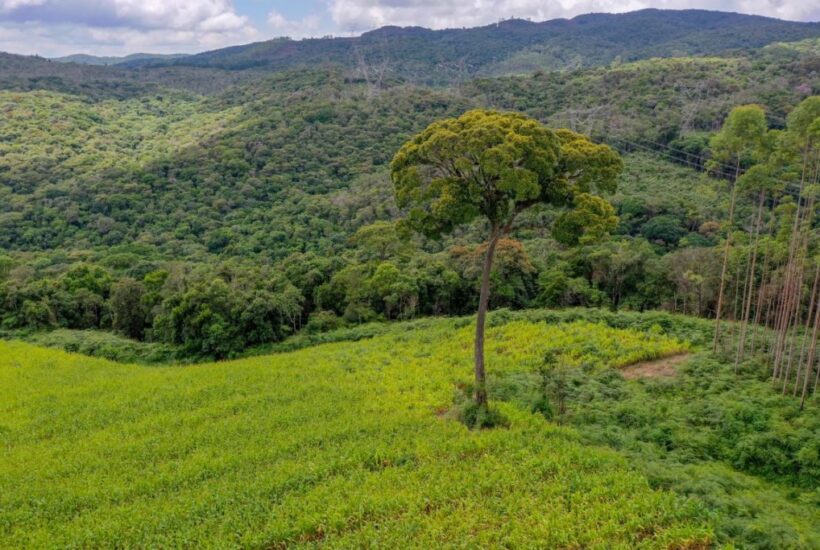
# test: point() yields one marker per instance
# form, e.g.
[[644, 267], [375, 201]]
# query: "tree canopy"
[[496, 165]]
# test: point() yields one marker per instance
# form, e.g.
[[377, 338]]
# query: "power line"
[[697, 166]]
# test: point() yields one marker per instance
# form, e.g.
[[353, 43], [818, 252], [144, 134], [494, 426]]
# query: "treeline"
[[220, 309]]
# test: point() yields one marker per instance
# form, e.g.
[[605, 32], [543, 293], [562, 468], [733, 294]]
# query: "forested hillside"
[[275, 192], [304, 135], [85, 59], [513, 46]]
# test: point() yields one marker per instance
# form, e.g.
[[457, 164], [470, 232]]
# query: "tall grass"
[[339, 444]]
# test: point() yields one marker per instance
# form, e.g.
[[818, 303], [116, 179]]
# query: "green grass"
[[341, 444], [742, 451]]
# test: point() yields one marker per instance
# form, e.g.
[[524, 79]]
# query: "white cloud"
[[178, 14], [9, 5], [113, 27], [308, 26], [359, 15], [53, 41]]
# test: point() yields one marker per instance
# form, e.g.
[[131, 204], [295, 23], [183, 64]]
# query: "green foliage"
[[803, 119], [695, 434], [481, 163], [473, 415], [496, 165], [323, 321], [396, 290], [663, 229], [590, 219], [128, 311], [214, 227], [244, 174], [107, 346], [338, 443], [742, 457], [741, 140]]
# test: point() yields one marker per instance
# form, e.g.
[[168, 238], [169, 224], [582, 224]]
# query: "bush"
[[323, 321], [479, 417]]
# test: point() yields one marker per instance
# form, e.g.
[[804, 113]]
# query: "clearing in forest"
[[665, 367]]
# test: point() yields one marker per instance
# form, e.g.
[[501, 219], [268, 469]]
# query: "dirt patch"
[[666, 367]]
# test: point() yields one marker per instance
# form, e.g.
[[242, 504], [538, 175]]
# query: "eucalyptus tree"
[[739, 142]]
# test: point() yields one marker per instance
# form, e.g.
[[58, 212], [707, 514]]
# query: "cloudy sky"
[[116, 27]]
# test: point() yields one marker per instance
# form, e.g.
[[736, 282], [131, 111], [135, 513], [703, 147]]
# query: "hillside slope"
[[418, 55], [351, 444], [99, 82], [339, 444], [306, 152]]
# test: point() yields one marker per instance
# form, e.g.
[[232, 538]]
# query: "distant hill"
[[85, 59], [26, 73], [513, 46], [392, 55]]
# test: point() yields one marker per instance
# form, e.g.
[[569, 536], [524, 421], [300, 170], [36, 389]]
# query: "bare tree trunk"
[[816, 380], [761, 298], [483, 302], [772, 305], [749, 289], [780, 313], [794, 321], [733, 326], [805, 335], [793, 270], [810, 360], [791, 290], [725, 258]]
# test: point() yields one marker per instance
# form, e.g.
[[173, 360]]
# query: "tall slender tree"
[[759, 181], [738, 144], [492, 165]]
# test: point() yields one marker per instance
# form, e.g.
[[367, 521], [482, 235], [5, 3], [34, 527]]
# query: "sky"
[[117, 27]]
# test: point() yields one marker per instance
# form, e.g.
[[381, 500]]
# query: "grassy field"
[[341, 444]]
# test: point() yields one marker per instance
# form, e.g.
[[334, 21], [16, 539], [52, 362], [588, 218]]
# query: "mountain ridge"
[[441, 56], [423, 56], [89, 59]]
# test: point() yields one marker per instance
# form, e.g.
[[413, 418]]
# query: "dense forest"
[[269, 204]]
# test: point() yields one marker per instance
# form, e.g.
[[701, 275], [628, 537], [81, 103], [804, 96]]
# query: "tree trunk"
[[762, 299], [733, 326], [725, 258], [483, 302], [792, 272], [805, 333], [810, 361], [816, 381], [792, 284], [749, 287]]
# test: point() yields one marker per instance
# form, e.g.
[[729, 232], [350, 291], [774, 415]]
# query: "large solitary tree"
[[495, 165]]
